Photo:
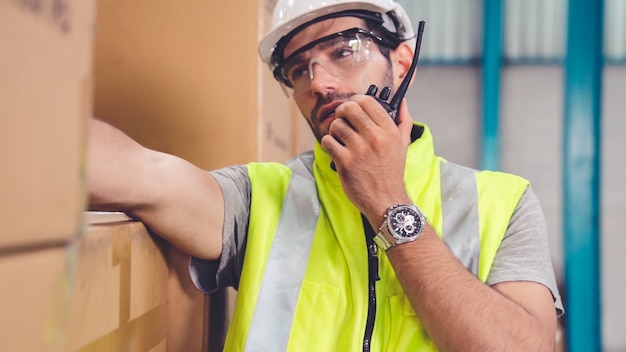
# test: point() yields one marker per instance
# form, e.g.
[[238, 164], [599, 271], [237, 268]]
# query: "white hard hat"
[[291, 14]]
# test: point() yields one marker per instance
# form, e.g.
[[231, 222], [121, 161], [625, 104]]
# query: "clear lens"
[[337, 57], [338, 54]]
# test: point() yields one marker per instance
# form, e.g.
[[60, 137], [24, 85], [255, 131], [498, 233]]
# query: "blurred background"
[[532, 87], [449, 94]]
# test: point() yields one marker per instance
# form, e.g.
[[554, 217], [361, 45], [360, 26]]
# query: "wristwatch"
[[402, 224]]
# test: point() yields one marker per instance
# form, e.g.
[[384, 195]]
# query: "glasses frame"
[[280, 77]]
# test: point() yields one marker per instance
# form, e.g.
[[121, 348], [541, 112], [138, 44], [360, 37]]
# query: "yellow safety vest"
[[304, 284]]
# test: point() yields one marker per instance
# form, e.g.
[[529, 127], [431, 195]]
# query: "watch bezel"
[[388, 237]]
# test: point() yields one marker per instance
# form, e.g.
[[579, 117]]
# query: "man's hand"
[[369, 151]]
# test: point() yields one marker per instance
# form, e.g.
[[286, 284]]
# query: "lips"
[[328, 111]]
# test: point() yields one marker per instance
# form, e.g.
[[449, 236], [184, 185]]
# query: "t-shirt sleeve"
[[211, 275], [524, 253]]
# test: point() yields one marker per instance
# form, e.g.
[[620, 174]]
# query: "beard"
[[315, 119]]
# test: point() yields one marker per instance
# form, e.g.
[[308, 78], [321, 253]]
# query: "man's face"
[[323, 89]]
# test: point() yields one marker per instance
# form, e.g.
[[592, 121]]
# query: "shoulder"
[[301, 164], [489, 183], [508, 186]]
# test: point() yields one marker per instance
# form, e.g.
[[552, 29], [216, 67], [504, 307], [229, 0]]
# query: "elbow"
[[541, 339]]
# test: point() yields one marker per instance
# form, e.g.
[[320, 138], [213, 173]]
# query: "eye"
[[345, 50], [343, 53], [348, 48], [296, 71]]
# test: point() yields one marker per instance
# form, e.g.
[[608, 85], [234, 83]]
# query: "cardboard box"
[[188, 308], [133, 290], [45, 98], [35, 294], [117, 288], [185, 78], [119, 300]]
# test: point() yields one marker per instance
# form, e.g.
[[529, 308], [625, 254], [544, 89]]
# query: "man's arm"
[[459, 312], [175, 199]]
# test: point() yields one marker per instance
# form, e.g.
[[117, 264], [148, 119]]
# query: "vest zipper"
[[372, 268]]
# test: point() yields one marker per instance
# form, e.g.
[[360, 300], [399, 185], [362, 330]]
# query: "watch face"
[[405, 222]]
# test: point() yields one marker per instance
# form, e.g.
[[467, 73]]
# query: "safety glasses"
[[338, 54]]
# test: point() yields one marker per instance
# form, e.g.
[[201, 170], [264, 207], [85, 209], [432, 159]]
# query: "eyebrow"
[[317, 41]]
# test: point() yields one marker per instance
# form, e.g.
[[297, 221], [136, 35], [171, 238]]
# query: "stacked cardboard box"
[[45, 98], [66, 285]]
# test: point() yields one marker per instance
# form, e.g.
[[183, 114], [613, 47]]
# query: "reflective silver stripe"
[[287, 261], [459, 198]]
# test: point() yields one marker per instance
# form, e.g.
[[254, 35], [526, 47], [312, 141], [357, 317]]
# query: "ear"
[[403, 57]]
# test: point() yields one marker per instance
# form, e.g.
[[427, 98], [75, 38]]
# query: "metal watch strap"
[[382, 238]]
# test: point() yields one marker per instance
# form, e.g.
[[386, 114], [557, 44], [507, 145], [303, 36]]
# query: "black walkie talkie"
[[394, 104]]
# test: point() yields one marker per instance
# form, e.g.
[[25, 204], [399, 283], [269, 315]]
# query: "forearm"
[[459, 312], [175, 199]]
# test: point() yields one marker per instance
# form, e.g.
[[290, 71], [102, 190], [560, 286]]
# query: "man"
[[393, 249]]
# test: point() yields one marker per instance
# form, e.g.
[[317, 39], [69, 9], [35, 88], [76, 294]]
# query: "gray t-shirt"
[[523, 254]]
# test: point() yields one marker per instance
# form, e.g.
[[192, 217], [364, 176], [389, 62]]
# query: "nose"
[[322, 79]]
